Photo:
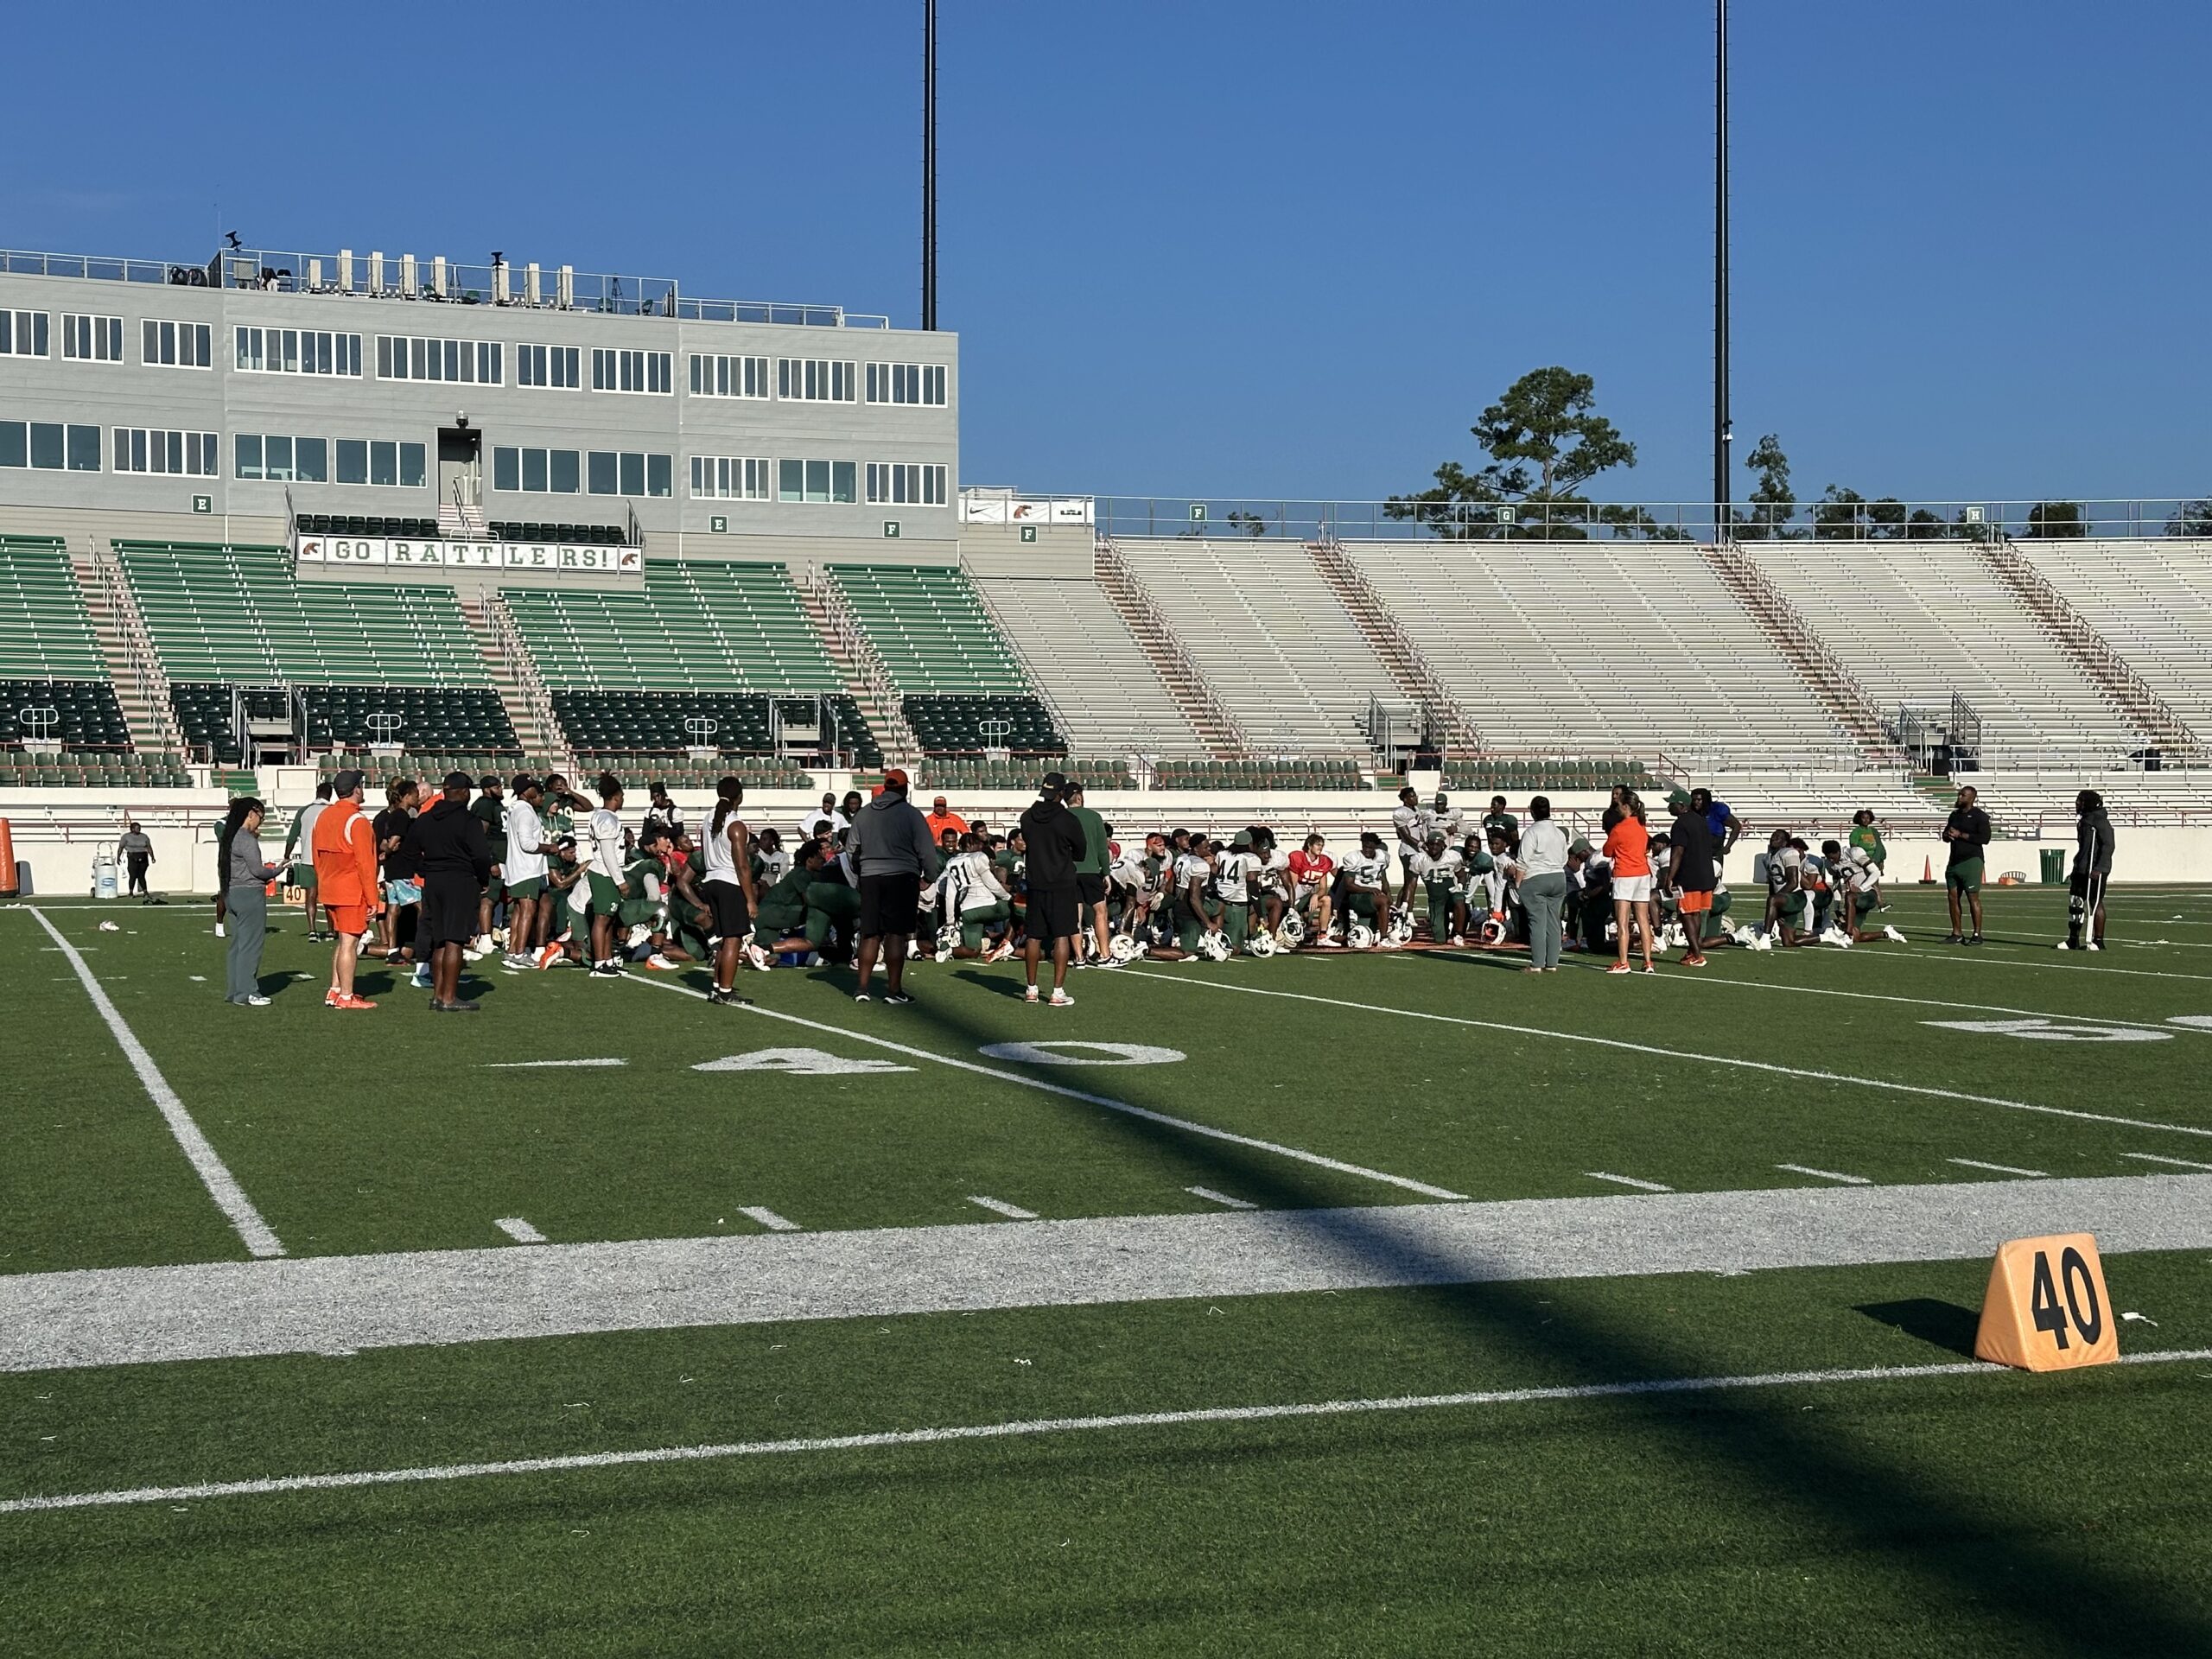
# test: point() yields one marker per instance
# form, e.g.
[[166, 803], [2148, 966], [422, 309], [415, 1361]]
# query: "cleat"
[[1618, 968], [756, 957], [897, 998], [548, 955], [1892, 934], [660, 964]]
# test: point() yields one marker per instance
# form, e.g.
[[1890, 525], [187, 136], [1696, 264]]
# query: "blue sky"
[[1284, 249]]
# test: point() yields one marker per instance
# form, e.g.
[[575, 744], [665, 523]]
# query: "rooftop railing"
[[436, 280], [1229, 519]]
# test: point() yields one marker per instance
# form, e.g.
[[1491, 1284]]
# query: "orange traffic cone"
[[1927, 872]]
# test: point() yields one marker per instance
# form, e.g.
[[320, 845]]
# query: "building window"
[[548, 365], [647, 371], [906, 382], [22, 334], [814, 380], [92, 339], [725, 477], [188, 454], [297, 350], [467, 362], [537, 471], [816, 480], [278, 459], [49, 446], [729, 377], [620, 472], [176, 345], [903, 484]]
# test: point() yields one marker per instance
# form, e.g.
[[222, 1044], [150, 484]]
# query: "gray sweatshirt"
[[890, 836], [247, 868]]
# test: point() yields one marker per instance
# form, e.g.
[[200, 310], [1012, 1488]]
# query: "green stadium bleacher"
[[74, 770], [46, 634], [85, 715], [698, 624], [1326, 773]]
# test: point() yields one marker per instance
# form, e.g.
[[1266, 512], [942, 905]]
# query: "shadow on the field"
[[1954, 1546], [1923, 1318]]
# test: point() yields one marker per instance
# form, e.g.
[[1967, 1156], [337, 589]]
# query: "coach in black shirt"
[[455, 862], [1054, 842], [1691, 873], [1968, 831]]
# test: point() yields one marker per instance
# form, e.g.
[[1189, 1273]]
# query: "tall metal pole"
[[928, 164], [1722, 437]]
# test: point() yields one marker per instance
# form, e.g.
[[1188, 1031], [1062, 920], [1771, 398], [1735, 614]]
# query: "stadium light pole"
[[928, 164], [1722, 437]]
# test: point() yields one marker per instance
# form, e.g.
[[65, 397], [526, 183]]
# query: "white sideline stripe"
[[1627, 1181], [532, 1065], [2069, 966], [319, 1304], [2000, 1169], [1682, 1054], [1035, 1427], [1213, 1196], [1920, 1001], [2153, 1158], [260, 1238], [768, 1218], [521, 1231], [1000, 1207], [1106, 1101], [1826, 1174]]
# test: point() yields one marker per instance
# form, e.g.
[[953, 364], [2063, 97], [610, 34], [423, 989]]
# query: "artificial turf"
[[1993, 1513]]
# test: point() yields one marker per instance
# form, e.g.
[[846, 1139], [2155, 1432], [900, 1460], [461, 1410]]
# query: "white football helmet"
[[639, 933], [1492, 930], [1293, 930], [1214, 947], [1123, 947], [1401, 928], [1360, 935], [1262, 943]]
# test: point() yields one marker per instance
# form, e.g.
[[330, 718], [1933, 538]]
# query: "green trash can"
[[2054, 867]]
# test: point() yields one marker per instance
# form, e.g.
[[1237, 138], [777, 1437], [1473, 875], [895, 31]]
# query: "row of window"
[[477, 362], [187, 455], [582, 472], [50, 446], [279, 460], [735, 478]]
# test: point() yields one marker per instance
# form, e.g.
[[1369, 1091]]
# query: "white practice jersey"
[[1446, 866], [1412, 824], [713, 849], [1233, 876], [1369, 872], [1191, 868], [606, 829], [524, 832]]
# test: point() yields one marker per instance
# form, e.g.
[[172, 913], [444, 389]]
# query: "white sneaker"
[[219, 931], [756, 957], [1892, 934], [482, 944], [2067, 944], [2093, 945], [256, 1001], [1030, 996], [1062, 999]]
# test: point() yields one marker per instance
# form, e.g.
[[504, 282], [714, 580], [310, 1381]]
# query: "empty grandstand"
[[1272, 641], [54, 680], [1921, 622], [2152, 600], [1599, 646]]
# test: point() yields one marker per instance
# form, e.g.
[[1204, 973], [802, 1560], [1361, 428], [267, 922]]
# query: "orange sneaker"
[[348, 1003]]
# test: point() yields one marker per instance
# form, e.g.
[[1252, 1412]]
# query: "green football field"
[[1395, 1303]]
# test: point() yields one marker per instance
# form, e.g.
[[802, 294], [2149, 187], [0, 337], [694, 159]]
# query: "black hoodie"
[[1054, 841], [2093, 844], [448, 839]]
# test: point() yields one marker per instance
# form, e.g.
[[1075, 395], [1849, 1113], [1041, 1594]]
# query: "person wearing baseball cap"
[[455, 861], [1053, 844], [892, 853], [345, 852]]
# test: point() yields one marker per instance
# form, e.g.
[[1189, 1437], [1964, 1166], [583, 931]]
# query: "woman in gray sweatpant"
[[246, 875], [1541, 863]]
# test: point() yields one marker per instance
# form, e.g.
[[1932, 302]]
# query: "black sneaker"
[[897, 998], [1975, 938], [717, 997], [604, 970], [455, 1007], [1954, 939]]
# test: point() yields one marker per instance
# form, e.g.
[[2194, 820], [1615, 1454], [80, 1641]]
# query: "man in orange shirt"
[[345, 851], [941, 818]]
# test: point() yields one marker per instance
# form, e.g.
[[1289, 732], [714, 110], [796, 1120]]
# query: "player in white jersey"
[[525, 869], [726, 850], [1367, 885], [1409, 824], [603, 870], [1441, 871], [1233, 876], [974, 898]]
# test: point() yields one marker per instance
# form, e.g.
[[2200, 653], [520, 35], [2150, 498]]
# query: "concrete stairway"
[[511, 673], [1216, 729], [1395, 650], [2092, 653], [134, 668], [1822, 672], [862, 672]]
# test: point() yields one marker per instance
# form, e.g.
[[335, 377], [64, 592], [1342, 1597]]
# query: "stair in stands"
[[1855, 713], [461, 521], [134, 668], [1395, 649], [862, 672], [2100, 663], [508, 667], [1216, 729]]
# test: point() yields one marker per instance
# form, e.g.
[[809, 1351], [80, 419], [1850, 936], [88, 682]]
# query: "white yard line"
[[1826, 1174], [1032, 1428], [521, 1231], [260, 1238], [2000, 1169], [533, 1066], [1627, 1181], [236, 1310], [1222, 1199], [1000, 1207], [1112, 1105], [2072, 964], [2153, 1158], [768, 1218], [1686, 1055]]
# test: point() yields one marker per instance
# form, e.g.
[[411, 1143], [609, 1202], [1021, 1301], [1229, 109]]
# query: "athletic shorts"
[[606, 894], [448, 910], [889, 904], [731, 916], [350, 920], [1090, 889], [1052, 915], [1634, 888], [496, 888], [1965, 875], [529, 888], [1695, 902], [303, 873]]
